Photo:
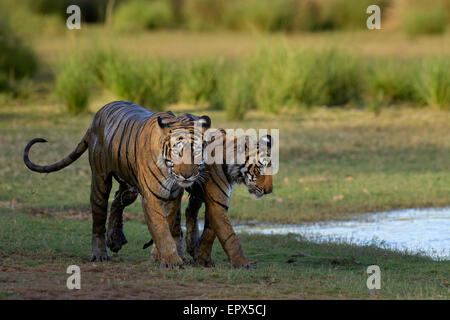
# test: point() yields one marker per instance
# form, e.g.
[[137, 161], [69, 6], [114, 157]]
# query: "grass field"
[[335, 163]]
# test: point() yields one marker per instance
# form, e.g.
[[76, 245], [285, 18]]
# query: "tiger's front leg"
[[217, 222], [165, 251]]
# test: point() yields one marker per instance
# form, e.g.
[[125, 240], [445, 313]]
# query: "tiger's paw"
[[205, 261], [99, 252], [241, 264], [167, 261], [116, 239], [100, 257]]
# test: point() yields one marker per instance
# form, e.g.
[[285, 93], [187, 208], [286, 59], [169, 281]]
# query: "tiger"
[[137, 148], [215, 192]]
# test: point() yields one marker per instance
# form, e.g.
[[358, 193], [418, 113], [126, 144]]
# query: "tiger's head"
[[183, 146], [255, 172]]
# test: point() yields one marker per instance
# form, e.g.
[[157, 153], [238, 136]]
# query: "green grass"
[[74, 84], [425, 19], [138, 15], [40, 249]]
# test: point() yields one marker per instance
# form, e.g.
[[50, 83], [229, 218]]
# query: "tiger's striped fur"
[[136, 147], [215, 193]]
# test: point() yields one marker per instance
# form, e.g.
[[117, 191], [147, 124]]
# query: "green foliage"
[[204, 14], [348, 14], [200, 82], [425, 19], [17, 61], [138, 15], [434, 85], [392, 81], [237, 92], [74, 84], [283, 77], [92, 10], [151, 83], [262, 15]]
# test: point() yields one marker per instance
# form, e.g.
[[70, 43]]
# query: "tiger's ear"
[[266, 141], [162, 123], [205, 122]]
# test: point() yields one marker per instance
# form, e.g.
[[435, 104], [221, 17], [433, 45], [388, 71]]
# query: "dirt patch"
[[108, 281]]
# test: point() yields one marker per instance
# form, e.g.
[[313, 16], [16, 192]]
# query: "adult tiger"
[[137, 148], [215, 191]]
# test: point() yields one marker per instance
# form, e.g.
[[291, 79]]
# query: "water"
[[425, 231]]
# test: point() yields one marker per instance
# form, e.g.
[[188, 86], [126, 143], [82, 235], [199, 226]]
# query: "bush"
[[393, 81], [151, 83], [91, 10], [262, 15], [204, 14], [237, 92], [138, 15], [434, 85], [427, 19], [348, 14], [74, 84], [200, 82], [283, 78], [17, 61]]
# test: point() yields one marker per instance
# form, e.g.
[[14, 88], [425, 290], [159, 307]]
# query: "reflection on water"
[[424, 231]]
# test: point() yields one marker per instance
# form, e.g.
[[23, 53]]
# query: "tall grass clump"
[[340, 76], [391, 81], [261, 15], [152, 83], [430, 18], [200, 82], [348, 14], [204, 14], [434, 84], [237, 92], [138, 15], [74, 83], [278, 78], [286, 78], [17, 60]]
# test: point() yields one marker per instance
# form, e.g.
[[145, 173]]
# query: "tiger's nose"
[[186, 172], [268, 190]]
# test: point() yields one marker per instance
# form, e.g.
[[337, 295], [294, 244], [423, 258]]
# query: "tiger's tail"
[[74, 155]]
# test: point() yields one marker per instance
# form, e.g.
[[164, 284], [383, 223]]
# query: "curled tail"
[[74, 155]]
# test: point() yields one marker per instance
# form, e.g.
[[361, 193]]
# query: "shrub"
[[262, 15], [237, 92], [151, 83], [92, 10], [392, 81], [74, 84], [283, 78], [138, 15], [200, 82], [427, 19], [17, 61], [434, 85], [348, 14], [204, 14]]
